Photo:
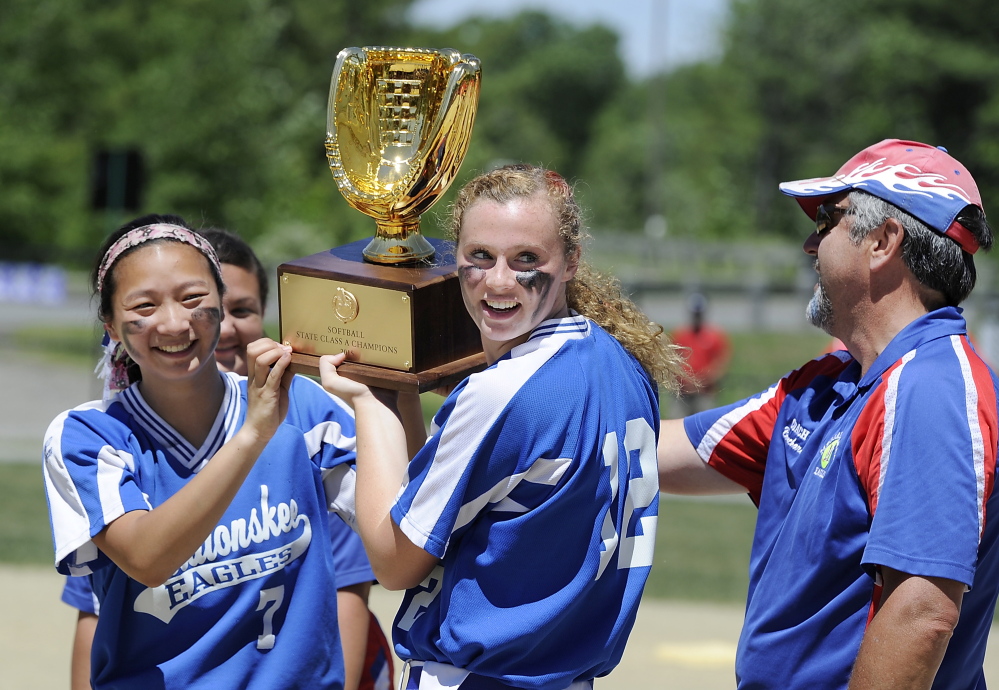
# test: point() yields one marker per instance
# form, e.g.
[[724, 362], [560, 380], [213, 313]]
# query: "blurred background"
[[676, 119]]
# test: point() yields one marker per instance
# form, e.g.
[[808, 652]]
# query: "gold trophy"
[[398, 125]]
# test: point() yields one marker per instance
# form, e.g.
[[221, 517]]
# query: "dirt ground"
[[675, 645]]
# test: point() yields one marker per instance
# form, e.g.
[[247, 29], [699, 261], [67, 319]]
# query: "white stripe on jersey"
[[111, 465], [340, 403], [185, 453], [891, 399], [70, 524], [338, 484], [233, 409], [482, 400], [327, 433], [541, 471], [977, 443], [727, 421]]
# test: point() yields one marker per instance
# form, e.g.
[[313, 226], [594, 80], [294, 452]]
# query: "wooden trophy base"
[[403, 327]]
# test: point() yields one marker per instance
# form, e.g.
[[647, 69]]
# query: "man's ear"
[[885, 242]]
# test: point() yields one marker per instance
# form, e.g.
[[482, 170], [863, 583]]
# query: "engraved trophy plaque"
[[398, 125]]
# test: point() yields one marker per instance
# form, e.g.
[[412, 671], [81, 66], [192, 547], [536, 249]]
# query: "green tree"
[[801, 86], [544, 83], [226, 100]]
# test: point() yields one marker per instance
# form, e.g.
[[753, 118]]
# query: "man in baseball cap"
[[875, 561]]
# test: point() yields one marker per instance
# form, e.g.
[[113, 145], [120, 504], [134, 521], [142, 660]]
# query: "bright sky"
[[690, 27]]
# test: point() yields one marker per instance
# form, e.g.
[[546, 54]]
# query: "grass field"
[[702, 549], [760, 359], [24, 517]]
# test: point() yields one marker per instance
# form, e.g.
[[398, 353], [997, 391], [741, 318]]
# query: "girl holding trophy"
[[523, 530], [180, 459]]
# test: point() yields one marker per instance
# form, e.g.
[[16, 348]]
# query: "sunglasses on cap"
[[827, 215]]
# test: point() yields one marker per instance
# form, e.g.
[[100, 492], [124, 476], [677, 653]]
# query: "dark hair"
[[104, 308], [233, 249], [935, 260]]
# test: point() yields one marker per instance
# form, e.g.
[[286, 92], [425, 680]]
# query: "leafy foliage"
[[544, 84], [801, 87], [227, 102]]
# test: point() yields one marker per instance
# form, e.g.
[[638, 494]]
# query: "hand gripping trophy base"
[[403, 326], [398, 242]]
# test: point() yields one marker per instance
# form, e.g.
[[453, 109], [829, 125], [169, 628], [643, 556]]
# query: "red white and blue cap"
[[924, 181]]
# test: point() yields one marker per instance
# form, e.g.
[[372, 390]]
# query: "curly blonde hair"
[[590, 293]]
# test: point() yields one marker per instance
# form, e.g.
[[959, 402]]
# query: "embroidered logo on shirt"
[[826, 456], [795, 435]]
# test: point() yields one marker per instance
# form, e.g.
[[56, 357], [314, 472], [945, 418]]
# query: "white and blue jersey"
[[894, 468], [538, 490], [255, 606]]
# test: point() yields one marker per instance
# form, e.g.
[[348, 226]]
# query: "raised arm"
[[411, 414], [382, 456], [151, 545], [681, 470]]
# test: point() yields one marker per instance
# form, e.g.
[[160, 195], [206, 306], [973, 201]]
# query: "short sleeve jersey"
[[78, 593], [894, 468], [349, 558], [254, 607], [538, 491]]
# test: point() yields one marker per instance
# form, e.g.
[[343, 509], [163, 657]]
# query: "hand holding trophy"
[[398, 126]]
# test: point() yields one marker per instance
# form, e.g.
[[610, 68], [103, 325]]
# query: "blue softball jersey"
[[255, 606], [538, 490]]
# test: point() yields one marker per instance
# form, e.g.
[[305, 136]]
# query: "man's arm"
[[905, 643], [681, 470]]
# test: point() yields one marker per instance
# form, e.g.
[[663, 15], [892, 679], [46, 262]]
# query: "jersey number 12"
[[635, 551]]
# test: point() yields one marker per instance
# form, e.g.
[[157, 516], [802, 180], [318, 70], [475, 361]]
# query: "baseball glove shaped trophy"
[[398, 126]]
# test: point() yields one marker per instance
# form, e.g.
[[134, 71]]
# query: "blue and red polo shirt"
[[893, 468]]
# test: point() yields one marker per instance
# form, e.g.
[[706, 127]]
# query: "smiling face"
[[244, 318], [166, 311], [513, 269]]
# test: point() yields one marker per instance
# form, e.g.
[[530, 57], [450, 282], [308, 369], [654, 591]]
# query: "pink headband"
[[160, 231]]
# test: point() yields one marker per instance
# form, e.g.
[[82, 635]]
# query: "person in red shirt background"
[[707, 359]]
